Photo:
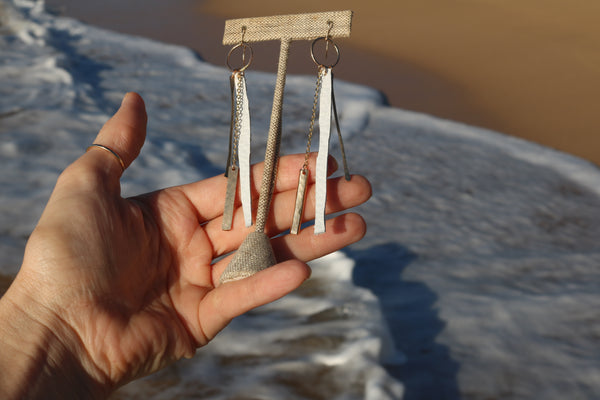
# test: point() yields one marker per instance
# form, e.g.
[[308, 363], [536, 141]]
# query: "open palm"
[[135, 281]]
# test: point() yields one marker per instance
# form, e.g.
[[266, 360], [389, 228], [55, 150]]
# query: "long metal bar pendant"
[[231, 125], [299, 207], [339, 132], [232, 178], [321, 167]]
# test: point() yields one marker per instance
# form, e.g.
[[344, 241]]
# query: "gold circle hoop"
[[111, 151], [243, 46], [327, 42]]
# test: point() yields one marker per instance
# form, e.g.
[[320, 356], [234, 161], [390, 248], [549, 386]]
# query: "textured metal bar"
[[339, 132], [244, 153], [299, 207], [323, 154], [232, 178], [232, 83]]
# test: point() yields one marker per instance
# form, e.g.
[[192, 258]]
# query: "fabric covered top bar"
[[288, 27]]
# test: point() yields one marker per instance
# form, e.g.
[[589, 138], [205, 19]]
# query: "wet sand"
[[529, 69]]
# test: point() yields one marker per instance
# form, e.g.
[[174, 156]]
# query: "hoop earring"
[[325, 98], [238, 159]]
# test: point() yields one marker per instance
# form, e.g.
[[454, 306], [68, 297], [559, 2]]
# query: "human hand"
[[112, 289]]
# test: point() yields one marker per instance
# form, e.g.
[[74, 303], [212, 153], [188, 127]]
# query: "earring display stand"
[[256, 253]]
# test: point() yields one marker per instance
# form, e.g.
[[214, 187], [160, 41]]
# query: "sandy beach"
[[524, 69]]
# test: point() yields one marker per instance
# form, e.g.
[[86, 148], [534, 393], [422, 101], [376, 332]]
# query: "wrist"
[[41, 357]]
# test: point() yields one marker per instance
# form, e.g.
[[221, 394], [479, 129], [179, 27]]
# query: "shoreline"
[[506, 72]]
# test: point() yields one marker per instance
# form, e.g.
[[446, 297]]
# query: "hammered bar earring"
[[238, 159], [325, 98]]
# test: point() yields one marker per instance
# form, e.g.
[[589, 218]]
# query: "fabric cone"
[[255, 254]]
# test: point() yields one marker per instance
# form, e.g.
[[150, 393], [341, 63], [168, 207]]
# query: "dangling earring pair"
[[238, 159], [325, 98]]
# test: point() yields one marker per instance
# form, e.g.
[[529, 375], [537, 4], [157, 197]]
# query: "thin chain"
[[313, 116], [239, 76]]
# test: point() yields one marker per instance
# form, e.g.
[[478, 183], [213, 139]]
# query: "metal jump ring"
[[328, 41], [244, 46]]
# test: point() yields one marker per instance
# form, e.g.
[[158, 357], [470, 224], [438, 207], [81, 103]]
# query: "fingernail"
[[126, 98], [133, 100], [332, 164]]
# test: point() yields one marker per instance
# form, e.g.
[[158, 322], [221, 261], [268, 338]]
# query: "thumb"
[[232, 299], [124, 133]]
